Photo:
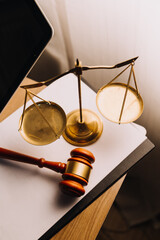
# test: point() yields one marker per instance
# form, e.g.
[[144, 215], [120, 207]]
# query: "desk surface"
[[88, 223]]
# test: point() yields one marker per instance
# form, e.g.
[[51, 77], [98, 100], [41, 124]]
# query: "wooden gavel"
[[75, 173]]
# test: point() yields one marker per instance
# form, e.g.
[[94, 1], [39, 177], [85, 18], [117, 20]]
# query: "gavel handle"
[[41, 162]]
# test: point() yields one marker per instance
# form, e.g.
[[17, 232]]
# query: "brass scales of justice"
[[44, 122]]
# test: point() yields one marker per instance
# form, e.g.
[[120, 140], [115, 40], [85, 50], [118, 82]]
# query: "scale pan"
[[109, 102], [39, 130]]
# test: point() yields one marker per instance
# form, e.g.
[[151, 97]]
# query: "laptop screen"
[[24, 33]]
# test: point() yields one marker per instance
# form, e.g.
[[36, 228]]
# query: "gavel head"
[[77, 172]]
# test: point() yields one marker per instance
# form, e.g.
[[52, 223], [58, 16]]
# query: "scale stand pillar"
[[83, 126]]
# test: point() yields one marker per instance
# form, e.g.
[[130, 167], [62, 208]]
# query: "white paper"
[[30, 199]]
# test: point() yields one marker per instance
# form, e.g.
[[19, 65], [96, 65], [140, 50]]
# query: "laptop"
[[24, 33]]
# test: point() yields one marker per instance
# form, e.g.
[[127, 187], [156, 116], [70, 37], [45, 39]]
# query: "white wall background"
[[55, 59]]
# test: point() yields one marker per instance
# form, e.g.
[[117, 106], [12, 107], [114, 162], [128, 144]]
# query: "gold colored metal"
[[74, 70], [82, 133], [24, 107], [80, 98], [109, 102], [83, 126], [79, 169], [125, 95], [79, 73], [43, 123], [119, 102]]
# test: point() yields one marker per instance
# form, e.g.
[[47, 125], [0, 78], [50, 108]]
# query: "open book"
[[30, 199]]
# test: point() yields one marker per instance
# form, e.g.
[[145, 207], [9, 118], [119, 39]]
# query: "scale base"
[[82, 133]]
